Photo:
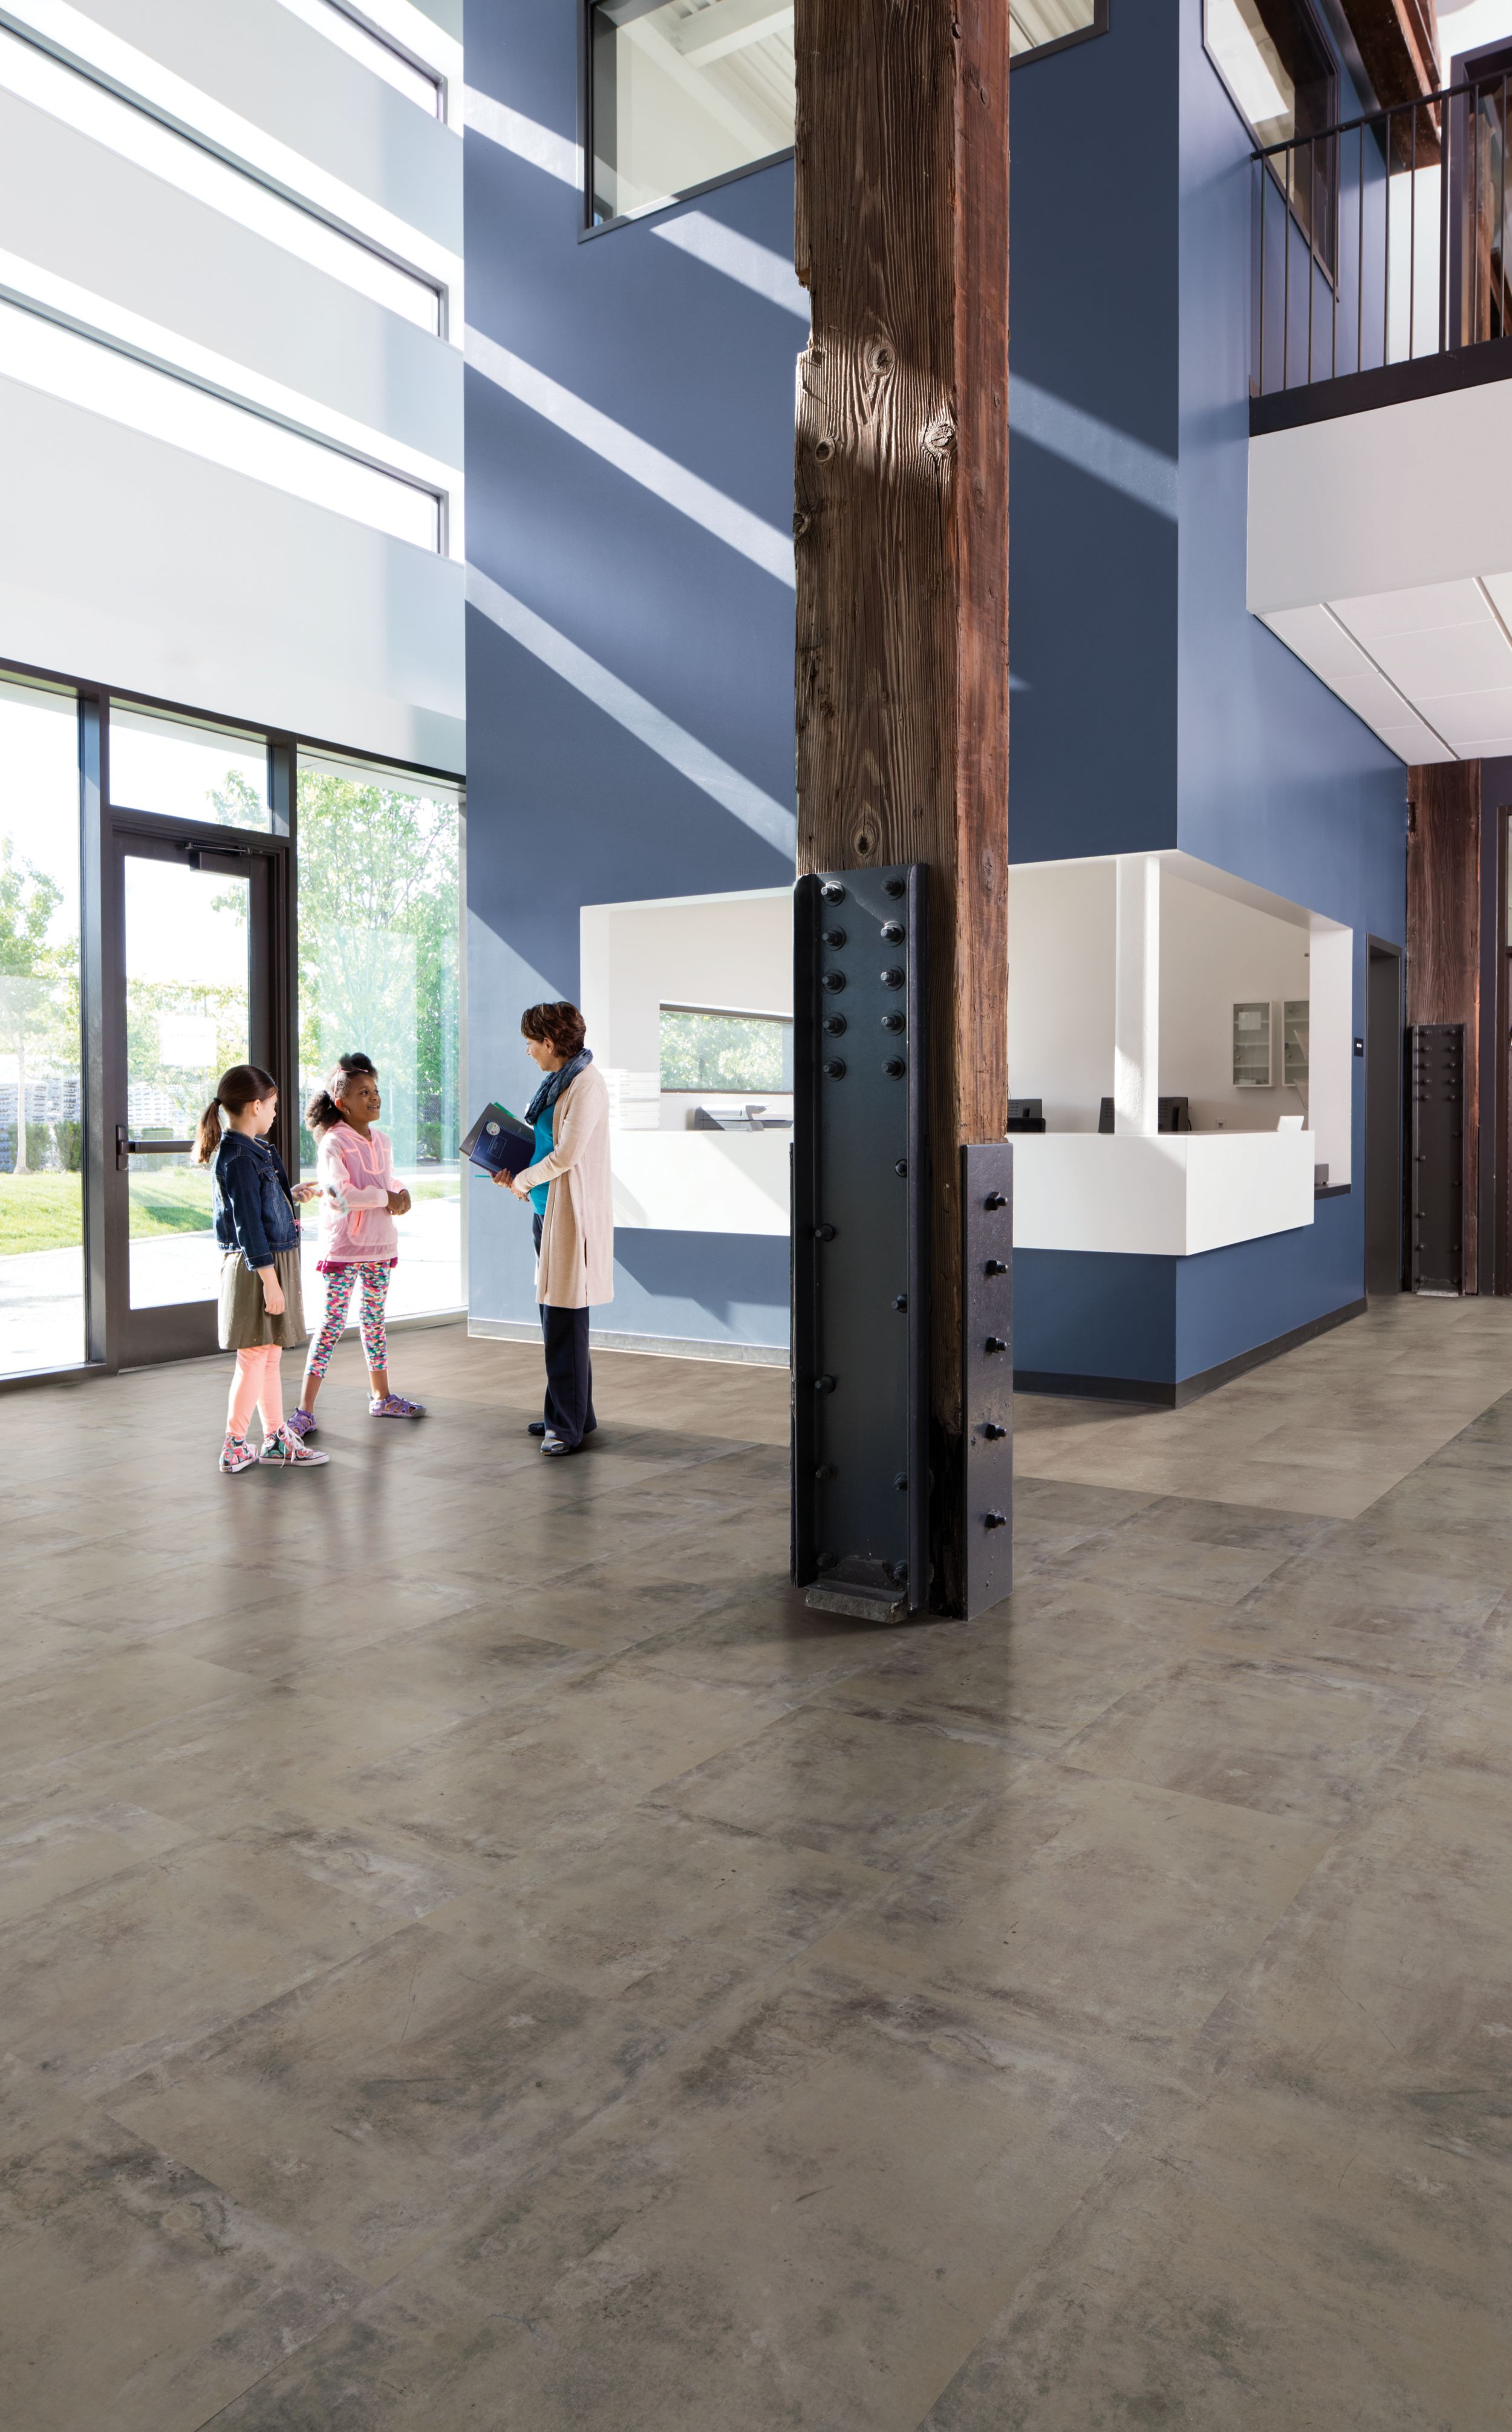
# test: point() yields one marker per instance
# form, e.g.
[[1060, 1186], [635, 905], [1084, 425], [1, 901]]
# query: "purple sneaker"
[[394, 1406], [300, 1422]]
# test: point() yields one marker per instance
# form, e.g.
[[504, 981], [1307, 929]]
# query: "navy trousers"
[[569, 1394]]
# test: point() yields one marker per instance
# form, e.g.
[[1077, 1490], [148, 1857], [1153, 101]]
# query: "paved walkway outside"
[[476, 1956]]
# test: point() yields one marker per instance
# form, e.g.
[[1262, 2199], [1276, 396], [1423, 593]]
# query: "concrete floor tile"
[[62, 1847], [547, 1977], [1365, 1613], [1093, 1906], [457, 2054], [1031, 1673], [147, 1961], [858, 1786], [138, 2295], [1268, 2266], [502, 1782], [1285, 1740], [735, 2246]]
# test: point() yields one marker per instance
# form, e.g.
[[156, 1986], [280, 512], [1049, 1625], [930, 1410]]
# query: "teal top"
[[545, 1144]]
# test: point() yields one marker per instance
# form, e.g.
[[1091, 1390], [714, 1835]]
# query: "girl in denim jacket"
[[261, 1306]]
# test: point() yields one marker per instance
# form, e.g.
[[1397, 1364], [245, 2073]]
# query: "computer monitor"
[[1175, 1115]]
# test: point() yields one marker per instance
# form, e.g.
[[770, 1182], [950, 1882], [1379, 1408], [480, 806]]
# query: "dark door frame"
[[1382, 949], [188, 1330]]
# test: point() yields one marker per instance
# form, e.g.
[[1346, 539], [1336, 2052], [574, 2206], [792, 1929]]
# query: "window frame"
[[592, 227], [102, 817], [728, 1089], [1325, 258], [1071, 42]]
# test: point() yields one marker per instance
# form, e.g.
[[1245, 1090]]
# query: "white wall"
[[733, 951], [154, 571], [128, 560], [1215, 954], [1060, 988], [1216, 951], [1402, 495]]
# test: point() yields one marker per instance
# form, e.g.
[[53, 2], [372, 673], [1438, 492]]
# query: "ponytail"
[[325, 1108], [238, 1088], [208, 1135]]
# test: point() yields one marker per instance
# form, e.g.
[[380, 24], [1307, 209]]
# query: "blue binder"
[[500, 1142]]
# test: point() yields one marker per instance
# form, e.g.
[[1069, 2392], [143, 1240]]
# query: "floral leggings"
[[338, 1283]]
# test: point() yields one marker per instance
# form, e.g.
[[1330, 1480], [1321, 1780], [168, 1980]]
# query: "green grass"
[[40, 1212], [176, 1199], [44, 1211]]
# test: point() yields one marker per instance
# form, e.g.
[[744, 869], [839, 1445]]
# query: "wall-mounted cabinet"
[[1295, 1041], [1254, 1046]]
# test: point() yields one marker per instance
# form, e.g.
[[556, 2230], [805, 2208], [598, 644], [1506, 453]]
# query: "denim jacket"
[[254, 1212]]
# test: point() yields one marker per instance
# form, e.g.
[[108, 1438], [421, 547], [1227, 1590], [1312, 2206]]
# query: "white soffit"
[[1429, 670], [1370, 538]]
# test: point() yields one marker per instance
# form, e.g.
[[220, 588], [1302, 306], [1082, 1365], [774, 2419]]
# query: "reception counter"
[[1166, 1195], [700, 1182], [1169, 1195]]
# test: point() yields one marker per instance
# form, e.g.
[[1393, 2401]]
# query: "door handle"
[[123, 1162]]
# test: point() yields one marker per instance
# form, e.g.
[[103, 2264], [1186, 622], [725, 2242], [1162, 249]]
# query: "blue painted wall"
[[1092, 562], [565, 806], [1154, 710], [1150, 709]]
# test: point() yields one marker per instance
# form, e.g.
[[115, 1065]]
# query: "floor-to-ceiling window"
[[42, 1223], [197, 967], [379, 862]]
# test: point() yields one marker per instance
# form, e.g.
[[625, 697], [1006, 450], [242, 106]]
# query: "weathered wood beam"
[[901, 530], [1444, 941], [1399, 47]]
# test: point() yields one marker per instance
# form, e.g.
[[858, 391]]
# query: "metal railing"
[[1385, 239]]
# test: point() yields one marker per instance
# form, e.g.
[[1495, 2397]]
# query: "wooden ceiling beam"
[[1399, 47]]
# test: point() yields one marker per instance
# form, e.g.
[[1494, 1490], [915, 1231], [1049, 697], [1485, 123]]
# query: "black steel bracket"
[[987, 1372], [860, 1253]]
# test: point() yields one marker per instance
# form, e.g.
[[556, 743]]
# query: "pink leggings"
[[256, 1381]]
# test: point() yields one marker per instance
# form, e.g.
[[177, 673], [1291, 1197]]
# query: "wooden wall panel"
[[1444, 939]]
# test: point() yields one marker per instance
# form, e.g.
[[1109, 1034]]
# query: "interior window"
[[1280, 73], [1046, 25], [685, 92], [1275, 63]]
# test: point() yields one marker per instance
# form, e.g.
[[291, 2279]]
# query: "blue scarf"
[[552, 1087]]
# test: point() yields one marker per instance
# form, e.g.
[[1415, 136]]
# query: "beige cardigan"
[[576, 1263]]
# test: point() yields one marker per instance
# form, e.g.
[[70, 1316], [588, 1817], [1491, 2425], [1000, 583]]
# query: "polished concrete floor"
[[476, 1955]]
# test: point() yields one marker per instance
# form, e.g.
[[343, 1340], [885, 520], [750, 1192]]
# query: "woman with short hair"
[[570, 1189]]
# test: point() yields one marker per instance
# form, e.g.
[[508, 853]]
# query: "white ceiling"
[[1428, 669]]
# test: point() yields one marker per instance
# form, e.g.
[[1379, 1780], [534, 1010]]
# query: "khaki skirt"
[[246, 1324]]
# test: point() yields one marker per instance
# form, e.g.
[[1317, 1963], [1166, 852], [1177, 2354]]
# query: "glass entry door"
[[194, 922]]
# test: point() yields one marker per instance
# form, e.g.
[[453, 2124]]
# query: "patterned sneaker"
[[394, 1406], [285, 1451], [236, 1453], [301, 1423]]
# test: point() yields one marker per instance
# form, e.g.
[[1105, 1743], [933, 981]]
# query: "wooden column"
[[1444, 938], [901, 534]]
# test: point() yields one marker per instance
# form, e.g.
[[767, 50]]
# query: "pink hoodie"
[[356, 1228]]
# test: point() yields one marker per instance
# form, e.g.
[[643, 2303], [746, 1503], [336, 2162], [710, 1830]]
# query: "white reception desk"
[[1168, 1196]]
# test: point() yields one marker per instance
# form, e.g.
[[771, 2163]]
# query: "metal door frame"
[[187, 1330]]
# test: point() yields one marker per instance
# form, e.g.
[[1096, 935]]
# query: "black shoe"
[[536, 1427]]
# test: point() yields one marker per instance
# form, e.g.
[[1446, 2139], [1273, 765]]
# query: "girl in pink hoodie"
[[360, 1200]]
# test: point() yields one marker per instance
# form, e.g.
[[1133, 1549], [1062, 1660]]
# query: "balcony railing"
[[1384, 239]]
